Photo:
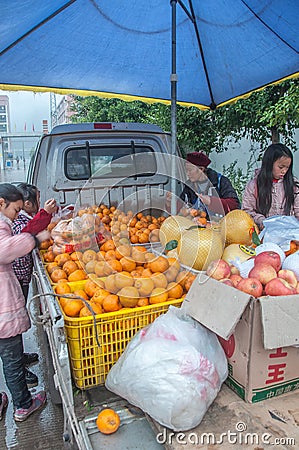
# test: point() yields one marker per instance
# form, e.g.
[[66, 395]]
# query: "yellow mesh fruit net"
[[197, 248], [172, 228], [236, 227]]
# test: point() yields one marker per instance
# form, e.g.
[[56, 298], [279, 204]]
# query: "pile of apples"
[[265, 278]]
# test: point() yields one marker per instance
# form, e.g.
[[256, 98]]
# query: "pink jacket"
[[14, 318], [249, 201]]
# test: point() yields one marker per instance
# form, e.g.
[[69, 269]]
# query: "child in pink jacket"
[[14, 318], [274, 190]]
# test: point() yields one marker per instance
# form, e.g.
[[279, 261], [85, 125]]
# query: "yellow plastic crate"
[[90, 362]]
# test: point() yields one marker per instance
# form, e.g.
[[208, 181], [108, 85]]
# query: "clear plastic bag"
[[173, 370], [280, 230]]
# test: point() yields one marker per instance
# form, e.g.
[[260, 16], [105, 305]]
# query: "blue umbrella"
[[218, 50]]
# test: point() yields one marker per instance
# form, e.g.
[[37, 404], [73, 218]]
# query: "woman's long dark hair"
[[265, 179], [10, 193]]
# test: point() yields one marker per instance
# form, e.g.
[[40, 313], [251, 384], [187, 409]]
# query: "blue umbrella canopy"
[[224, 48]]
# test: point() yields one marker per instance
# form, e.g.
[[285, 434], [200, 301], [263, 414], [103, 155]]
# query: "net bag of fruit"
[[172, 369]]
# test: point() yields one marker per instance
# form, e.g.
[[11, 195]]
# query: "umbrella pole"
[[173, 81]]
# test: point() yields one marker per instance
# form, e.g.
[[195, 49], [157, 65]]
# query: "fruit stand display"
[[108, 292]]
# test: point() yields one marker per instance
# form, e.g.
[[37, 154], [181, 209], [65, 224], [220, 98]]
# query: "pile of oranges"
[[119, 277]]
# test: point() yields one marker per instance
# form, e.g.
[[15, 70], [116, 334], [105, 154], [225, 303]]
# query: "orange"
[[158, 295], [182, 277], [75, 256], [89, 255], [62, 258], [77, 275], [63, 288], [111, 303], [72, 307], [108, 421], [144, 286], [127, 264], [57, 275], [128, 296], [99, 295], [49, 256], [174, 290], [115, 265], [173, 262], [189, 281], [108, 245], [143, 301], [81, 293], [91, 286], [159, 280], [159, 264], [96, 307], [69, 267], [123, 279], [110, 255], [52, 266]]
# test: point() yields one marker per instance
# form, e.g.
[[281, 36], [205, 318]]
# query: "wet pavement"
[[44, 429]]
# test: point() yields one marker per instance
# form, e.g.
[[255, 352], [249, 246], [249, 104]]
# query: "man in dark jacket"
[[207, 189]]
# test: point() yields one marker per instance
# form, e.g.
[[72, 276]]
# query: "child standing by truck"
[[14, 318], [31, 219]]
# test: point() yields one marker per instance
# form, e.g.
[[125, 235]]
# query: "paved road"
[[43, 430]]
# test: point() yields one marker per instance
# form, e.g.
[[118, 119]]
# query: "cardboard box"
[[258, 336]]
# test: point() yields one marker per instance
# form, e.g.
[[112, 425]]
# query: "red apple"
[[279, 286], [251, 286], [263, 272], [227, 281], [235, 278], [218, 269], [269, 257], [289, 276]]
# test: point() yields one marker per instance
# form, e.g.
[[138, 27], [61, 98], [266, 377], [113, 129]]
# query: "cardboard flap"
[[280, 321], [215, 305]]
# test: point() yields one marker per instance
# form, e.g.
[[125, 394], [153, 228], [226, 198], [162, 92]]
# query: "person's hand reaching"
[[50, 206]]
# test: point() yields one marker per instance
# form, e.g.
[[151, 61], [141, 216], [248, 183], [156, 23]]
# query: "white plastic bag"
[[280, 230], [173, 369]]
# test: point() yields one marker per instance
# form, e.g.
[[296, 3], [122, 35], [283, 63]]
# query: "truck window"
[[110, 162]]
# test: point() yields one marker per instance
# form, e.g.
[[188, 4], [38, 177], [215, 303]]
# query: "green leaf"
[[171, 245], [255, 238]]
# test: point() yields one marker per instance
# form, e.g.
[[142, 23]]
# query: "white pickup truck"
[[121, 164]]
